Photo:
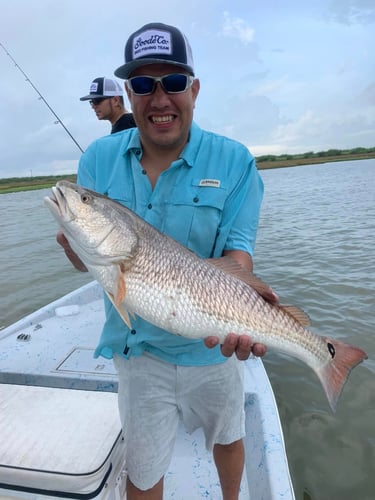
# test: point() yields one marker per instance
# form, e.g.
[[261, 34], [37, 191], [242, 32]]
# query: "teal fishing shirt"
[[208, 200]]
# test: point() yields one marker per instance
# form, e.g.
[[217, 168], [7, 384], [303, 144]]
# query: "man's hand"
[[73, 257], [239, 344]]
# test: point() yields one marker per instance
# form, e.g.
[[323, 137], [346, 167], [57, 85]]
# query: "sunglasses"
[[176, 83], [98, 100]]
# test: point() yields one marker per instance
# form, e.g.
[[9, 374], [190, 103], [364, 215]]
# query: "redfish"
[[148, 274]]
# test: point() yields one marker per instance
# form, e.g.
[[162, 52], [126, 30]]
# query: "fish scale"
[[210, 294], [146, 273]]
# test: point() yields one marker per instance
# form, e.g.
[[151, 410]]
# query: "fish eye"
[[85, 198]]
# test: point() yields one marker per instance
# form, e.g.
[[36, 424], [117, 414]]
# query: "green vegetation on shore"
[[15, 184], [310, 158]]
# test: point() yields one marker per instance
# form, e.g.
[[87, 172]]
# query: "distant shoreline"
[[15, 184], [296, 162]]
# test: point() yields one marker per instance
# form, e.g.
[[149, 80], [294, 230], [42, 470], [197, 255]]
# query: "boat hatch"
[[81, 360], [58, 442]]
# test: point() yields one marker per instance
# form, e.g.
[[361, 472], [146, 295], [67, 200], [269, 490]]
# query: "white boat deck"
[[61, 435], [54, 346]]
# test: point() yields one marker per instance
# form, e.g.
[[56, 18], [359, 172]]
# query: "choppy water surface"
[[316, 247]]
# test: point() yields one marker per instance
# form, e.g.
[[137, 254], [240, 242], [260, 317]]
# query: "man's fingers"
[[239, 344], [211, 342], [259, 350], [243, 349]]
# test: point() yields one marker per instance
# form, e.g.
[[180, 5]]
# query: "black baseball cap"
[[103, 87], [156, 43]]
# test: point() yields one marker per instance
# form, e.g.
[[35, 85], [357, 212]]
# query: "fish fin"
[[300, 316], [121, 286], [334, 374], [121, 310], [231, 266]]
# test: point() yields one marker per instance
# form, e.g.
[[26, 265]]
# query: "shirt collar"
[[134, 143], [190, 151], [188, 154]]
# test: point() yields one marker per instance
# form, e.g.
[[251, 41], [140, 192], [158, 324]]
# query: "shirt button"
[[137, 152], [196, 199], [144, 172], [133, 332], [149, 206]]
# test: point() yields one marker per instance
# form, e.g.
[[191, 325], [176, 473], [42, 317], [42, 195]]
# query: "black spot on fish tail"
[[331, 349]]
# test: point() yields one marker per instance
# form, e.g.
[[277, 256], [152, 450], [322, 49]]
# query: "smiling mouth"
[[162, 119]]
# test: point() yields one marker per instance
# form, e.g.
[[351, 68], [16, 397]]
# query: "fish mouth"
[[57, 202]]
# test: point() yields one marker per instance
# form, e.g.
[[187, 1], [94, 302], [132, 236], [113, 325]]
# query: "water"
[[33, 269], [316, 247]]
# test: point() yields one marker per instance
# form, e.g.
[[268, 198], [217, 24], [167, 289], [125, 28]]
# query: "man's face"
[[163, 119], [103, 108]]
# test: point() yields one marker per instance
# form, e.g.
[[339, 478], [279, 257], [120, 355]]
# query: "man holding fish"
[[204, 191]]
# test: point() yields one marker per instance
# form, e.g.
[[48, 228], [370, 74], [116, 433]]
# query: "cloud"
[[314, 131], [237, 28], [352, 11], [286, 76], [367, 97]]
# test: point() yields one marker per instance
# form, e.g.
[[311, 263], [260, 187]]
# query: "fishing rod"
[[42, 98]]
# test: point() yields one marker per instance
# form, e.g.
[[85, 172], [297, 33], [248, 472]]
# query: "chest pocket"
[[193, 216]]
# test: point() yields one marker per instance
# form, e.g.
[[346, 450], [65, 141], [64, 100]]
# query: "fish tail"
[[334, 374]]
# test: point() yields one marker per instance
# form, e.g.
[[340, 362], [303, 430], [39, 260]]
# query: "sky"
[[280, 76]]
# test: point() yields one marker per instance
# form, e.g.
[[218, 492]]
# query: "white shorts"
[[154, 395]]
